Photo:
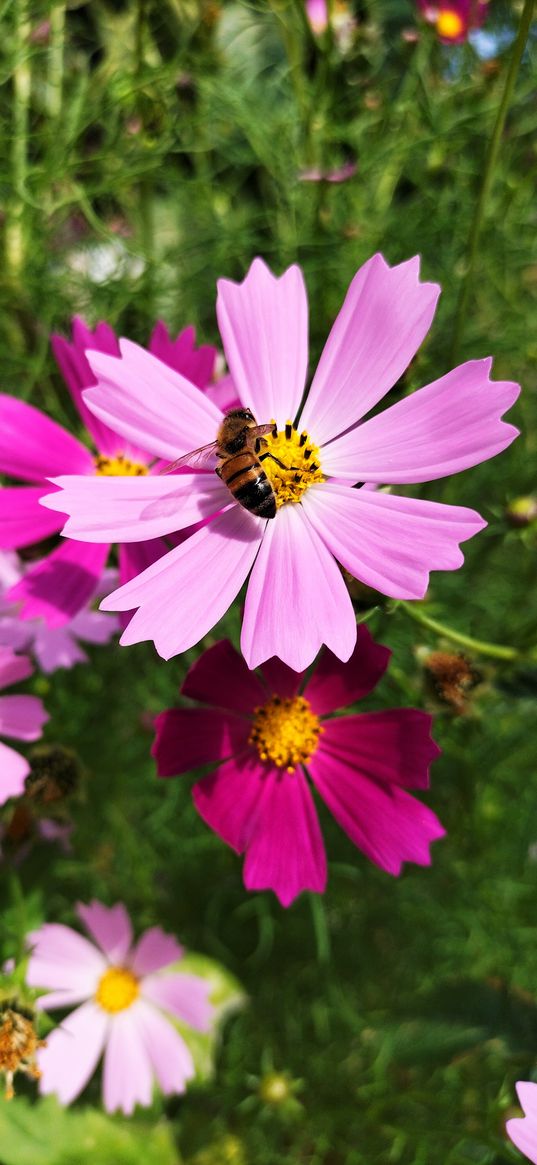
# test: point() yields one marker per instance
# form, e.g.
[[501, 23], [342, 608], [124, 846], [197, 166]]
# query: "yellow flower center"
[[449, 24], [117, 989], [285, 732], [294, 464], [119, 466]]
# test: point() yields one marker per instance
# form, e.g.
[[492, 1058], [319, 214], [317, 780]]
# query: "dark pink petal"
[[386, 314], [13, 668], [386, 823], [229, 799], [393, 747], [297, 599], [448, 426], [263, 322], [23, 520], [134, 509], [134, 557], [196, 364], [220, 677], [63, 960], [74, 367], [335, 684], [280, 679], [33, 447], [57, 588], [188, 737], [110, 926], [223, 393], [184, 996], [72, 1052], [390, 543], [187, 591], [127, 1075], [286, 851], [150, 404], [165, 1049], [154, 950], [22, 717], [13, 772]]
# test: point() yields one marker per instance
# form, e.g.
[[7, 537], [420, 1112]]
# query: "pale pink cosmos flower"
[[270, 732], [338, 174], [21, 718], [52, 647], [34, 448], [296, 598], [129, 996], [523, 1130]]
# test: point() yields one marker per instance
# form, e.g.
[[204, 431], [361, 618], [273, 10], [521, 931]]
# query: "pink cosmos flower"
[[339, 174], [34, 448], [53, 647], [269, 732], [454, 19], [317, 14], [127, 994], [296, 598], [21, 718], [523, 1130]]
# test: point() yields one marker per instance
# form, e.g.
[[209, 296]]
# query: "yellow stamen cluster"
[[117, 989], [18, 1047], [119, 466], [449, 24], [300, 463], [285, 732]]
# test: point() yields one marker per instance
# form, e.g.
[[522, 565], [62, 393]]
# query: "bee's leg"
[[218, 471], [273, 458]]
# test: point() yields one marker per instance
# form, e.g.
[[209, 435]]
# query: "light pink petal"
[[220, 677], [393, 747], [13, 772], [133, 509], [228, 800], [527, 1096], [22, 717], [523, 1130], [55, 647], [150, 404], [72, 362], [334, 684], [165, 1049], [94, 627], [297, 599], [224, 394], [389, 542], [182, 595], [189, 737], [286, 852], [110, 926], [386, 314], [63, 960], [441, 429], [280, 679], [196, 364], [127, 1076], [67, 998], [11, 569], [23, 520], [15, 634], [13, 668], [154, 950], [387, 824], [263, 322], [184, 996], [57, 588], [33, 447], [72, 1052]]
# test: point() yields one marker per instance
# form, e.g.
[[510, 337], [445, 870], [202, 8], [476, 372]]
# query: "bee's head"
[[242, 415]]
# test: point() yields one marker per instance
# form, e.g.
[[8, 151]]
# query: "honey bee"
[[238, 448]]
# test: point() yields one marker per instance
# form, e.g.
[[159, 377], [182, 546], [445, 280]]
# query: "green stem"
[[488, 175], [19, 908], [19, 148], [55, 59], [494, 650], [320, 928]]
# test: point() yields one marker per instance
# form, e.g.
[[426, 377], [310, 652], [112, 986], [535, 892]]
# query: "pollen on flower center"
[[449, 24], [285, 732], [117, 989], [294, 464], [119, 466]]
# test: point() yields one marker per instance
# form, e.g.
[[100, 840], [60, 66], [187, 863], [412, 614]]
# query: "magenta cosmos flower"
[[34, 448], [296, 599], [270, 732], [523, 1130], [127, 994], [21, 718], [454, 19]]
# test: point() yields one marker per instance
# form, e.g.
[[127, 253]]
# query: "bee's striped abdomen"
[[247, 481]]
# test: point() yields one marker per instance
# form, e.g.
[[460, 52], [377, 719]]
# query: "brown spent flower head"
[[18, 1045], [54, 774], [451, 678]]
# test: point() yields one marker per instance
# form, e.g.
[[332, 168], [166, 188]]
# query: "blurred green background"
[[147, 148]]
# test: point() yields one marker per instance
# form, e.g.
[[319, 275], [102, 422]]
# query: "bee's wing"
[[196, 459], [261, 430]]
